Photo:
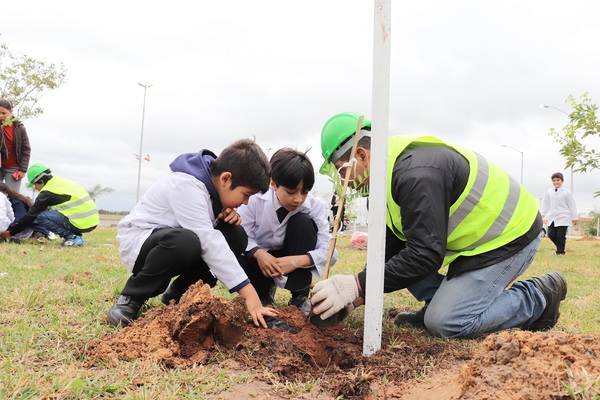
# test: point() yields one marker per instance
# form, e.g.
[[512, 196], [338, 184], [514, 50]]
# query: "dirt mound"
[[588, 238], [515, 365], [202, 325], [526, 365], [521, 365]]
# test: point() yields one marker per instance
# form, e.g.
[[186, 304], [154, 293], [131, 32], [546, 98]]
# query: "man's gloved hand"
[[331, 295]]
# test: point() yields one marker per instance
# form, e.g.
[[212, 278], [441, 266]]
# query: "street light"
[[510, 147], [569, 115], [556, 108], [140, 157]]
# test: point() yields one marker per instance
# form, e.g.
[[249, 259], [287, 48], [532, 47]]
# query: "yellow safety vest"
[[492, 211], [80, 209]]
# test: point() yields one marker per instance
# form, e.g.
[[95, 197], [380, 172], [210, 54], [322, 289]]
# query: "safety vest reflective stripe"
[[83, 215], [72, 204], [481, 179], [493, 210], [474, 197], [505, 216]]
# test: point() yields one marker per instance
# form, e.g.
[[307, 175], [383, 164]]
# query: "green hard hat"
[[335, 132], [34, 171]]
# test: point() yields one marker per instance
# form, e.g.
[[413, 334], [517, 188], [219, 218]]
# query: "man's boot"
[[416, 318], [553, 286]]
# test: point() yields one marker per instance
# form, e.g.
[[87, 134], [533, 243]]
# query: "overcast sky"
[[471, 72]]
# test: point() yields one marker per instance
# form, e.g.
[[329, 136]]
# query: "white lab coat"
[[259, 219], [179, 201], [559, 207], [6, 212]]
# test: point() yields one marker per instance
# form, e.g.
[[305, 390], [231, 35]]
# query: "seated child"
[[288, 231], [185, 226], [20, 205], [6, 212]]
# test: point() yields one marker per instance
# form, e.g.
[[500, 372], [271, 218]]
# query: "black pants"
[[300, 238], [558, 235], [171, 252]]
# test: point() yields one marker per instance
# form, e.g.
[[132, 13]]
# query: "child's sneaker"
[[74, 241], [301, 302]]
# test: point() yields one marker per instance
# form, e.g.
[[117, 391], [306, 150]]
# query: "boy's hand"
[[4, 236], [230, 216], [289, 264], [255, 307], [268, 264]]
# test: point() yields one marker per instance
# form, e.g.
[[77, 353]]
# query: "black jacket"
[[426, 181]]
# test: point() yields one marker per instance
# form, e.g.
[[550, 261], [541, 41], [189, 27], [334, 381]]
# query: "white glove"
[[331, 295]]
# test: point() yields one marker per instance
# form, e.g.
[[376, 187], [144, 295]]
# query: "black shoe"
[[171, 294], [301, 302], [276, 323], [416, 318], [124, 311], [553, 286]]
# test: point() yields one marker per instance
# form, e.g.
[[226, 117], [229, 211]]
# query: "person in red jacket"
[[14, 147]]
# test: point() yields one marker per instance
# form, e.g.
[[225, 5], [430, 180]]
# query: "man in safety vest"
[[63, 207], [446, 206]]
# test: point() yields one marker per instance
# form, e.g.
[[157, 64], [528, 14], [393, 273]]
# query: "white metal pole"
[[378, 177]]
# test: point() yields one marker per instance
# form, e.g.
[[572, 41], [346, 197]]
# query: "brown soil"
[[509, 365]]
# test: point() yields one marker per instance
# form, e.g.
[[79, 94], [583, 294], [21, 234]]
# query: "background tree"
[[576, 136], [98, 191], [24, 80]]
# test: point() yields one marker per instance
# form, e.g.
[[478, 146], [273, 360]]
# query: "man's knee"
[[440, 325], [42, 217]]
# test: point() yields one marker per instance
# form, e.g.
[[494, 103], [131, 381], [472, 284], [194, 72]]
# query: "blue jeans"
[[477, 302], [57, 223]]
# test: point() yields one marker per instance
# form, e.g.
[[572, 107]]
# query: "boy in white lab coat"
[[185, 226], [288, 231]]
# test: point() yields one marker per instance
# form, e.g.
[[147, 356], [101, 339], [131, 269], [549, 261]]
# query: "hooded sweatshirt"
[[186, 198], [198, 166]]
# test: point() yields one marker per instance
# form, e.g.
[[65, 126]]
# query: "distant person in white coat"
[[559, 212]]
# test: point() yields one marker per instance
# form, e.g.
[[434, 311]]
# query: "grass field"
[[54, 300]]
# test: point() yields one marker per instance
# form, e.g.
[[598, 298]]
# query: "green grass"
[[53, 301]]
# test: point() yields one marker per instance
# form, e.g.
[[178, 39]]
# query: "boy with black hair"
[[559, 212], [288, 231], [185, 226]]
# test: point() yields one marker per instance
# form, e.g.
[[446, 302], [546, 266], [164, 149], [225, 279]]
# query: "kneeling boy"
[[288, 231], [185, 225]]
